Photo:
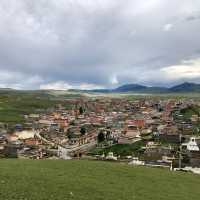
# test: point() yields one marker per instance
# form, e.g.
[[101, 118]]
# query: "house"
[[81, 139], [18, 127], [136, 161], [2, 143], [192, 150], [25, 135], [63, 153], [34, 116], [32, 142], [111, 156], [132, 131], [192, 145]]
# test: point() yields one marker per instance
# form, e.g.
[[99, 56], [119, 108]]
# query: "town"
[[140, 131], [99, 100]]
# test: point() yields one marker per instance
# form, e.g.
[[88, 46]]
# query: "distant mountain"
[[5, 89], [94, 90], [136, 88], [130, 87], [140, 89], [186, 87]]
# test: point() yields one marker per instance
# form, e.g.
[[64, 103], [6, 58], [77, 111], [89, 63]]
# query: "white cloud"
[[88, 86], [16, 86], [168, 27], [189, 69], [62, 85], [18, 80], [114, 80], [87, 41]]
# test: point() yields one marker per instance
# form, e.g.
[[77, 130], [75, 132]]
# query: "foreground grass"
[[90, 180]]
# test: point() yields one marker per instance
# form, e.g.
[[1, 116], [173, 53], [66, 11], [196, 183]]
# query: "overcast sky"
[[62, 44]]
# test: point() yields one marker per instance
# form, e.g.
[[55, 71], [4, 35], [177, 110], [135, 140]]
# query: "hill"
[[14, 104], [186, 87], [140, 89], [136, 88], [130, 87], [91, 180]]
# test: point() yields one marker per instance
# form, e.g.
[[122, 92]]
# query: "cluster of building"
[[91, 122]]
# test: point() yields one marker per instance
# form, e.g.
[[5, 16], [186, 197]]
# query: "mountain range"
[[185, 87]]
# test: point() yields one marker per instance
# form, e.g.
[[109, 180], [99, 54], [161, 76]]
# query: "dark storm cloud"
[[97, 43]]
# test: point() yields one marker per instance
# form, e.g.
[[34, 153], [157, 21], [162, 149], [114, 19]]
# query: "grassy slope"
[[14, 104], [90, 180]]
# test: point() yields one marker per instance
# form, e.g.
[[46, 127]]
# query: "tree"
[[81, 110], [72, 123], [82, 130], [108, 135], [70, 135], [100, 137]]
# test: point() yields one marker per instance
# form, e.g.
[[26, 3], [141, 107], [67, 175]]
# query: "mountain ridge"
[[185, 87]]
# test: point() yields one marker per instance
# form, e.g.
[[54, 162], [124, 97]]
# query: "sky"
[[90, 44]]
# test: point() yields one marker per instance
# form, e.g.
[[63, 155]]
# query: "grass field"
[[91, 180], [119, 149]]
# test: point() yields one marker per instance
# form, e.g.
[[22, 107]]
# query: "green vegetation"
[[120, 149], [191, 110], [162, 96], [15, 104], [91, 180], [101, 137]]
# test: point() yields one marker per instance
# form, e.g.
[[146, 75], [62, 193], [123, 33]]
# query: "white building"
[[192, 145], [111, 156], [136, 161], [63, 153]]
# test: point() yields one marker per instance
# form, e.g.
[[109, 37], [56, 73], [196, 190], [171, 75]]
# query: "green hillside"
[[91, 180], [14, 104]]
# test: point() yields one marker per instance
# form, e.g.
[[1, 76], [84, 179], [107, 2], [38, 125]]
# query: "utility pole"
[[180, 149], [180, 152]]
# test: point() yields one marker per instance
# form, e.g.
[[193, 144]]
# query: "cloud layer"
[[64, 44]]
